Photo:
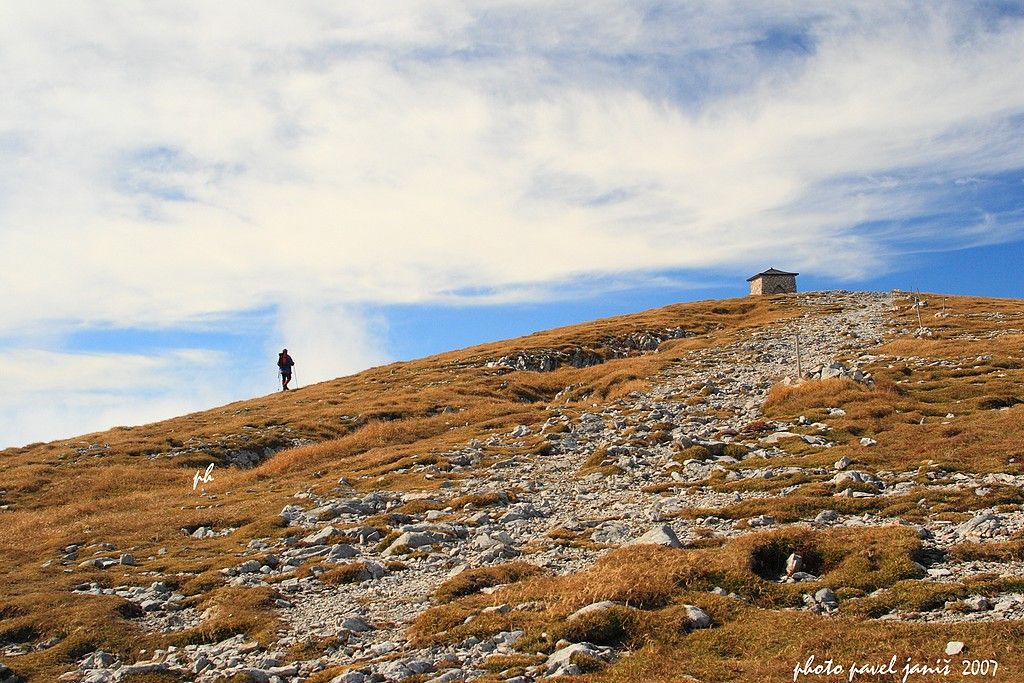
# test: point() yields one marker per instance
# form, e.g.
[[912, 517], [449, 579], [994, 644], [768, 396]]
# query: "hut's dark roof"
[[771, 271]]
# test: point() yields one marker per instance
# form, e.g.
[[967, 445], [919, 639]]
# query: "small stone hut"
[[773, 281]]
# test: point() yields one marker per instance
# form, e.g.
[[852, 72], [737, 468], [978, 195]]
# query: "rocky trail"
[[595, 485]]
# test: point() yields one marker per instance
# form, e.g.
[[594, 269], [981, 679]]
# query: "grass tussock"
[[474, 580], [233, 610], [876, 401], [652, 582], [347, 572], [1000, 551], [947, 400], [750, 641]]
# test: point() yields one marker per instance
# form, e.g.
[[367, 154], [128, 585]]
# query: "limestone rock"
[[320, 537], [356, 625], [412, 540], [826, 516], [696, 617], [591, 608], [350, 677], [659, 535], [827, 599], [987, 525], [559, 661], [978, 603]]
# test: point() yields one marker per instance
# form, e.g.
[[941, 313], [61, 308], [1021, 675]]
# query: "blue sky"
[[187, 187]]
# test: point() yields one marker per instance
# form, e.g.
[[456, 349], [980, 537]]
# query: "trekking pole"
[[295, 376]]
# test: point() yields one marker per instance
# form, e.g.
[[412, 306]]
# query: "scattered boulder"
[[350, 677], [779, 436], [977, 603], [761, 521], [849, 477], [341, 551], [826, 596], [356, 625], [987, 525], [659, 535], [696, 617], [591, 608], [321, 537], [559, 662], [826, 517], [611, 532], [97, 660], [249, 567], [412, 540]]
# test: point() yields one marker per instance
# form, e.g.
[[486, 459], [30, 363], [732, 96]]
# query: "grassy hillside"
[[131, 487], [942, 405]]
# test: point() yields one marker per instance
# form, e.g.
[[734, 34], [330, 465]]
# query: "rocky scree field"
[[656, 496]]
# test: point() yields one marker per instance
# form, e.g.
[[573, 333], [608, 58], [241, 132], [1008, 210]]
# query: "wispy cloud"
[[337, 340], [49, 395], [164, 164]]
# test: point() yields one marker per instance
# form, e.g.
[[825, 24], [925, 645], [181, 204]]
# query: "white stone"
[[826, 516], [321, 537], [779, 436], [559, 659], [761, 520], [978, 603], [591, 608], [659, 535], [412, 539], [696, 617]]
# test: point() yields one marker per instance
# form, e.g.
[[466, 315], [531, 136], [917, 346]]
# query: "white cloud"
[[335, 340], [198, 160], [50, 395], [161, 164]]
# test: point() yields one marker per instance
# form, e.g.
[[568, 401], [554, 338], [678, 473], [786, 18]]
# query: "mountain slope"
[[363, 524]]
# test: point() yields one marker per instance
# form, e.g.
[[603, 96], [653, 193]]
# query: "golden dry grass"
[[474, 580], [387, 427], [906, 411], [650, 577], [751, 640], [390, 427]]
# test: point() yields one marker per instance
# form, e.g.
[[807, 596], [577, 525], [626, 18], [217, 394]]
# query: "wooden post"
[[799, 365]]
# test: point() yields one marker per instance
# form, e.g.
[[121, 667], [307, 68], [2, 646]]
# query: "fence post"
[[799, 364]]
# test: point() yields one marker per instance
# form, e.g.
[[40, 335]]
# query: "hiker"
[[285, 363]]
